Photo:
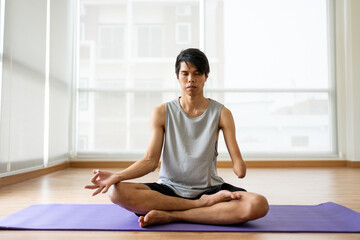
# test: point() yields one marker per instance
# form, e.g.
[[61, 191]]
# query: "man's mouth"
[[190, 87]]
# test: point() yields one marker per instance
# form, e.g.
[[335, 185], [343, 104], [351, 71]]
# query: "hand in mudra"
[[102, 181]]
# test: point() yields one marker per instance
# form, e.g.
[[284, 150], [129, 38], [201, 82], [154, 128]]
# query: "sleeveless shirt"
[[190, 150]]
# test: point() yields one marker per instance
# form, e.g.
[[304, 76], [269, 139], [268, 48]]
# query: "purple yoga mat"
[[326, 217]]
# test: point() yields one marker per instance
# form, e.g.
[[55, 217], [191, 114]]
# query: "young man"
[[188, 188]]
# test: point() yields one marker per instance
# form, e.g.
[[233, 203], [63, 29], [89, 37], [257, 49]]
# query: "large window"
[[271, 65]]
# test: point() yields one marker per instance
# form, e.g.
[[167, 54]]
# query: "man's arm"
[[102, 180], [152, 156], [227, 125]]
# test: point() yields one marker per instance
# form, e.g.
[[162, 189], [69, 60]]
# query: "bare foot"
[[155, 217], [221, 196]]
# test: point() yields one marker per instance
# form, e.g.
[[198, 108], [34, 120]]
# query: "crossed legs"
[[221, 208]]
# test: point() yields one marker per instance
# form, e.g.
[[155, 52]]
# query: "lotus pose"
[[185, 131]]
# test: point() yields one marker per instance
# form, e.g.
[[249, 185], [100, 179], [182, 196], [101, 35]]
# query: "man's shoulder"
[[158, 115], [226, 117], [225, 112], [160, 109]]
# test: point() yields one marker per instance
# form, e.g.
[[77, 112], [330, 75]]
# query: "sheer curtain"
[[23, 85], [60, 75], [35, 92]]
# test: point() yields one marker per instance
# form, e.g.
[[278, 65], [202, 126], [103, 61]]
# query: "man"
[[189, 188]]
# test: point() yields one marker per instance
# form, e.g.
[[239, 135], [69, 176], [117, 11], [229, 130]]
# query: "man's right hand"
[[102, 181]]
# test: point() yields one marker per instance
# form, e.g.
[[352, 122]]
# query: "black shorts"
[[164, 189]]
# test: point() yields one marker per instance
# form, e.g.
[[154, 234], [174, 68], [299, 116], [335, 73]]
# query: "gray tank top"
[[190, 150]]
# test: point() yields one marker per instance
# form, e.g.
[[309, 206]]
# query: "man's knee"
[[114, 193], [255, 206], [125, 193], [119, 193], [258, 207]]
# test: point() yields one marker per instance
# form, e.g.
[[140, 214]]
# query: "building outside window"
[[270, 65], [183, 33], [149, 41], [111, 42]]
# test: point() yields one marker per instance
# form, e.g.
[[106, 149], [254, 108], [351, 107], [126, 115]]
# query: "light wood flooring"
[[306, 186]]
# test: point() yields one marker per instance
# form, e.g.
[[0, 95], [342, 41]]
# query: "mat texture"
[[326, 217]]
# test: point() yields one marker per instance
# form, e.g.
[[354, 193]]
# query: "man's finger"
[[237, 195], [93, 179], [91, 186], [98, 191], [106, 189]]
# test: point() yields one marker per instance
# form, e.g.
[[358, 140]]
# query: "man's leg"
[[250, 206], [140, 199]]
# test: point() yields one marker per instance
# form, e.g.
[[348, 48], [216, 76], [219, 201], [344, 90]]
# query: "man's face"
[[190, 79]]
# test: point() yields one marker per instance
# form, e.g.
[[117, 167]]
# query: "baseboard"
[[100, 164], [5, 181], [353, 164], [228, 164], [297, 163]]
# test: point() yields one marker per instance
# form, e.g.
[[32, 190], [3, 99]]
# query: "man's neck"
[[194, 105]]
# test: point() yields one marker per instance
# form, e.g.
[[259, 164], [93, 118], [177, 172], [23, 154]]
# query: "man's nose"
[[190, 78]]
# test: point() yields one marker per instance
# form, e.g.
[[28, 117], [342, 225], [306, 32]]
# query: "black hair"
[[195, 57]]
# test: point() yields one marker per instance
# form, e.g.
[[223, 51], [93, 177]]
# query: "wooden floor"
[[280, 186]]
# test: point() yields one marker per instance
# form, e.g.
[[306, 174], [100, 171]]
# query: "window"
[[81, 31], [183, 33], [183, 10], [82, 143], [83, 101], [270, 65], [149, 41], [111, 42], [278, 65]]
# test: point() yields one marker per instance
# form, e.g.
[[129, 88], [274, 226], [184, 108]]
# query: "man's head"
[[195, 57]]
